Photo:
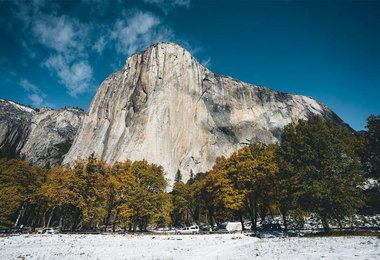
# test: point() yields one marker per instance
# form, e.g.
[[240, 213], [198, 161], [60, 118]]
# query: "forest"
[[318, 168]]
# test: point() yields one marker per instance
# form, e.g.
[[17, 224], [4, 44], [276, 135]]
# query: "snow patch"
[[313, 105], [22, 108]]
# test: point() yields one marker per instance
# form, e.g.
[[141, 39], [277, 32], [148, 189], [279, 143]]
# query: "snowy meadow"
[[221, 246]]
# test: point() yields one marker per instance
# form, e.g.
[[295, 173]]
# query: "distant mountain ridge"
[[41, 136]]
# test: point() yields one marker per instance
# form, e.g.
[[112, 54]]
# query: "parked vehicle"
[[272, 230], [48, 231], [207, 228], [188, 230], [230, 227]]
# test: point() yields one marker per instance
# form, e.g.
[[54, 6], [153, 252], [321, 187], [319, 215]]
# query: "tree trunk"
[[249, 207], [211, 216], [35, 219], [255, 215], [114, 220], [77, 219], [263, 213], [241, 221], [252, 218], [50, 217], [61, 219], [20, 214], [285, 221], [134, 222], [44, 219], [325, 224], [109, 212], [340, 224]]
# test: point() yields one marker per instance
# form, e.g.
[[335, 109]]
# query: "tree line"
[[85, 195], [318, 168]]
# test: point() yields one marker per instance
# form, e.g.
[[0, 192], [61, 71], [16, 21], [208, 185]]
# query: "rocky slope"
[[15, 122], [165, 107], [42, 137]]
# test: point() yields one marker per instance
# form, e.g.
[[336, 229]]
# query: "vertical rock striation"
[[165, 107]]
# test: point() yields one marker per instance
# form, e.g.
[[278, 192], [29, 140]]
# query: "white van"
[[231, 227], [188, 230]]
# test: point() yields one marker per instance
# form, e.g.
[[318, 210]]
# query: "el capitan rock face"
[[165, 107]]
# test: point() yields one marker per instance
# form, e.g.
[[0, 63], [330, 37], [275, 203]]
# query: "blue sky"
[[56, 53]]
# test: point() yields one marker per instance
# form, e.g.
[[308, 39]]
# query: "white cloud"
[[67, 38], [29, 51], [206, 62], [168, 5], [76, 76], [71, 43], [35, 95], [60, 33], [27, 86], [36, 99], [99, 45], [139, 31], [26, 11]]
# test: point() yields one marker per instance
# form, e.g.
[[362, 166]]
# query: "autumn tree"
[[61, 190], [225, 198], [119, 194], [92, 181], [147, 195], [77, 193], [255, 171], [180, 214], [20, 183]]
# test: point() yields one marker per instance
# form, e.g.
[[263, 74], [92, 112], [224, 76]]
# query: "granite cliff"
[[167, 108]]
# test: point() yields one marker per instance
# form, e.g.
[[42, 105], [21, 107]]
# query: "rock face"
[[165, 107], [15, 122], [42, 137]]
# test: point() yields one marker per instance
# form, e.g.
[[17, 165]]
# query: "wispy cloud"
[[70, 46], [138, 31], [76, 75], [60, 33], [206, 62], [64, 37], [34, 93], [28, 50], [99, 45], [168, 5]]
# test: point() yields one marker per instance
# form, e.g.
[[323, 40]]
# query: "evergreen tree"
[[319, 170], [369, 152], [372, 156], [178, 176]]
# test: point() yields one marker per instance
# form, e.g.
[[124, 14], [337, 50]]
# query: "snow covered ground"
[[222, 246]]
